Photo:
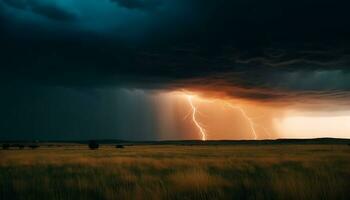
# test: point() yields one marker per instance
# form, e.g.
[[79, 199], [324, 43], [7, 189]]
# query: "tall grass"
[[177, 172]]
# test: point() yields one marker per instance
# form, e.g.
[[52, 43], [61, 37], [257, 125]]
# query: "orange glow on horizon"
[[314, 126], [190, 115]]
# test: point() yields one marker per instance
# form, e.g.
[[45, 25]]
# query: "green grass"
[[177, 172]]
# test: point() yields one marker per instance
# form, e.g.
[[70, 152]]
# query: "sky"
[[151, 69]]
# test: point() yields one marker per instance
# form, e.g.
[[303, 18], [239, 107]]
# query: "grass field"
[[177, 172]]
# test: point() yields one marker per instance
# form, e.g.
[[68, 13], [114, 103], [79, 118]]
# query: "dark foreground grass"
[[177, 172]]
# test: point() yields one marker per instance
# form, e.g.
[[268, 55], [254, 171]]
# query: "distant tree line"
[[93, 145], [6, 146]]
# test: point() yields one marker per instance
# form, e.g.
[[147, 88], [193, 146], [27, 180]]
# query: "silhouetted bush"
[[5, 146], [20, 146], [93, 145], [119, 146], [33, 146]]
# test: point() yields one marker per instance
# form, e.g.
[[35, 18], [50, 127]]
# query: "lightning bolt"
[[249, 120], [194, 119], [202, 130]]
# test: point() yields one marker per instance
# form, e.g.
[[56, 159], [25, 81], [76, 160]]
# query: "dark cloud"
[[53, 12], [259, 50], [46, 9], [139, 4], [20, 4]]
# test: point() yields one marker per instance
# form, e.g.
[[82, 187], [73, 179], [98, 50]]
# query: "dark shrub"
[[119, 146], [33, 146], [5, 146], [20, 146], [93, 145]]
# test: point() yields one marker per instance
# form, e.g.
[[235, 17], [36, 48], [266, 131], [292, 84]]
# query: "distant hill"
[[198, 142]]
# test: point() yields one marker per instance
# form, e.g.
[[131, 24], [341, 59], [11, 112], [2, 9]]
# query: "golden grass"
[[177, 172], [196, 180]]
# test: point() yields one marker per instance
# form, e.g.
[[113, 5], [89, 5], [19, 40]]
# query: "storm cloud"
[[64, 63], [49, 10], [258, 50], [139, 4]]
